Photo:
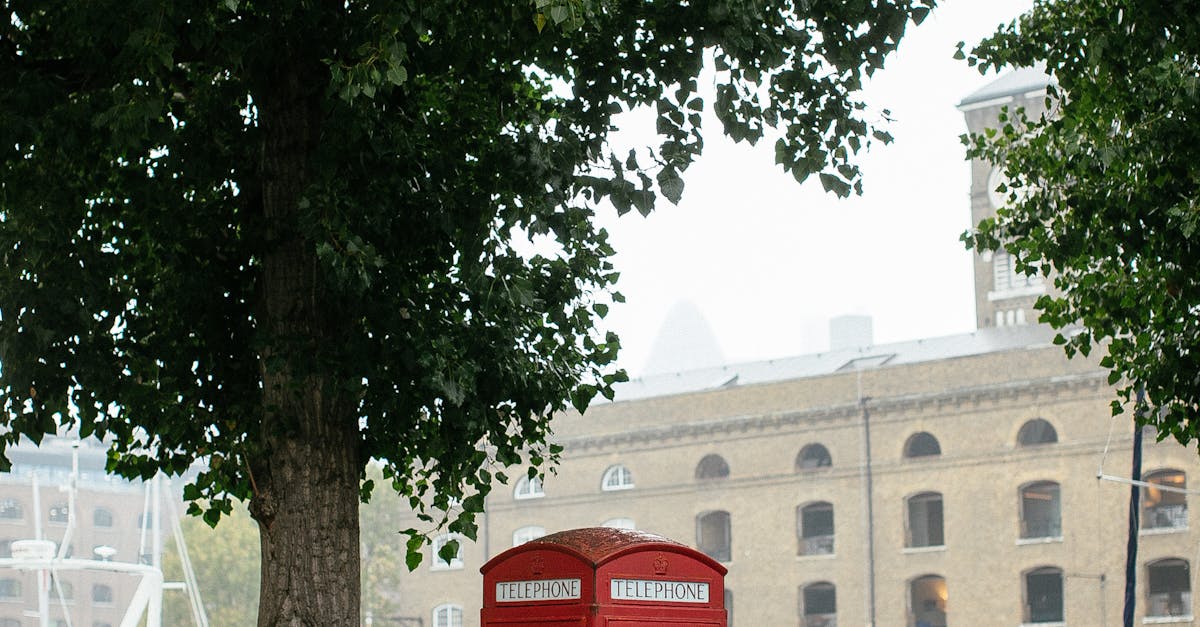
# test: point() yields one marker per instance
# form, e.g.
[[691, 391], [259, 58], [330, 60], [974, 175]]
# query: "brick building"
[[941, 481], [109, 525]]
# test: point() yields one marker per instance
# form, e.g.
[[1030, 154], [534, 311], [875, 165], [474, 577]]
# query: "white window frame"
[[527, 534], [449, 610], [440, 564], [617, 477], [1008, 283], [528, 488]]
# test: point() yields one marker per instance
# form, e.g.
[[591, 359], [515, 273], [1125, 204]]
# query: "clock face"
[[995, 179]]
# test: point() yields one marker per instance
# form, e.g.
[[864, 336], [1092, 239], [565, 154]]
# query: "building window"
[[812, 457], [729, 607], [6, 548], [102, 594], [1005, 276], [447, 616], [10, 622], [528, 488], [1041, 510], [1165, 509], [527, 534], [619, 523], [10, 509], [60, 513], [10, 589], [922, 445], [102, 517], [1037, 431], [617, 477], [66, 589], [1044, 596], [1170, 588], [925, 520], [818, 605], [927, 601], [816, 528], [711, 467], [713, 535], [438, 562], [101, 624]]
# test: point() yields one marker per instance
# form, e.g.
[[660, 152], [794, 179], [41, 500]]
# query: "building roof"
[[1019, 81], [989, 340]]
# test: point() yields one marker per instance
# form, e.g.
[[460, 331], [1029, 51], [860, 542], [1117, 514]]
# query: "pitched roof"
[[989, 340]]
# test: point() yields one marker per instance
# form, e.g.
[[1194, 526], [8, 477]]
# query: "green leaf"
[[397, 75]]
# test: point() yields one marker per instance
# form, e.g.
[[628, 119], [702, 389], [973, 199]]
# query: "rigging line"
[[1100, 469], [1144, 484]]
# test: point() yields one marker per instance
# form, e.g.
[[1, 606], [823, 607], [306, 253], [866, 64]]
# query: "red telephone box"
[[603, 577]]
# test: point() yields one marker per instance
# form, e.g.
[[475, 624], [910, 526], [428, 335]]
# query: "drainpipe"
[[1131, 546], [869, 497]]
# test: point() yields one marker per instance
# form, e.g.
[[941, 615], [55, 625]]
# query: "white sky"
[[768, 261]]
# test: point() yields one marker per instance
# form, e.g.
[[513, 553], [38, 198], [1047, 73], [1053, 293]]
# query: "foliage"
[[1103, 190], [383, 553], [286, 239], [225, 561]]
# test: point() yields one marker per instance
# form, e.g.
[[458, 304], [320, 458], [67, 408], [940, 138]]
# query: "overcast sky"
[[767, 262]]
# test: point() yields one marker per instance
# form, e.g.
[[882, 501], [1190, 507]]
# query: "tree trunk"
[[306, 476]]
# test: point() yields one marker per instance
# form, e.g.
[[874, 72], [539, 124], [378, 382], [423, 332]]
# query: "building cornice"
[[821, 417]]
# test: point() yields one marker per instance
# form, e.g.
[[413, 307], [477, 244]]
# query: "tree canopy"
[[1103, 190], [285, 239]]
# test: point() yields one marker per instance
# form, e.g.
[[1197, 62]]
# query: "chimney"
[[850, 332]]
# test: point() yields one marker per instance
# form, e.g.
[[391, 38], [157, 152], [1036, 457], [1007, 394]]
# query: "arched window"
[[527, 534], [815, 524], [619, 523], [59, 513], [1170, 588], [10, 588], [1037, 431], [617, 477], [927, 600], [440, 563], [818, 605], [1041, 510], [528, 488], [922, 445], [447, 616], [102, 517], [812, 457], [713, 535], [925, 520], [102, 594], [1044, 595], [712, 466], [10, 509], [1165, 509]]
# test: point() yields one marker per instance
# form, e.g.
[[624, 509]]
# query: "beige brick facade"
[[974, 406], [989, 531]]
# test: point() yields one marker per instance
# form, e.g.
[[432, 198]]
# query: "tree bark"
[[307, 472]]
